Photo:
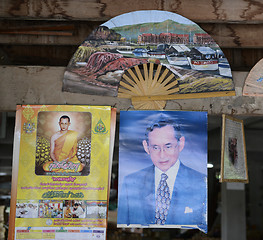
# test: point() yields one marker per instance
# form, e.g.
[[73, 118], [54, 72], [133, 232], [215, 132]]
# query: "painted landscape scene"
[[143, 37]]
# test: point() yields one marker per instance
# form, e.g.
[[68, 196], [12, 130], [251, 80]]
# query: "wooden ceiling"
[[48, 32]]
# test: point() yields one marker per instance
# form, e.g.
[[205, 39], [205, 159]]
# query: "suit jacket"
[[188, 206]]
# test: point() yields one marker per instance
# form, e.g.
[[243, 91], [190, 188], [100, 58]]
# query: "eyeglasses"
[[168, 148]]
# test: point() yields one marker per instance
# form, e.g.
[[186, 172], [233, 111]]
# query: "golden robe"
[[65, 151], [67, 213]]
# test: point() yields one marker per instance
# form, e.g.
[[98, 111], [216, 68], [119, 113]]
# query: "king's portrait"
[[164, 183]]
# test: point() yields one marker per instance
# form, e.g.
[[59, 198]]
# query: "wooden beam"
[[235, 35], [57, 30], [243, 59], [75, 32], [37, 33], [36, 55], [45, 32], [93, 10], [52, 9], [240, 59], [43, 85]]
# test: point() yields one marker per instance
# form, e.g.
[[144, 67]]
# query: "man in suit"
[[168, 192]]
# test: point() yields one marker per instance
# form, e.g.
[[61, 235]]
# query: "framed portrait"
[[75, 145], [233, 151], [158, 145]]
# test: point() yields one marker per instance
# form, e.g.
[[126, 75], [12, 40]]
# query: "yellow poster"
[[61, 161]]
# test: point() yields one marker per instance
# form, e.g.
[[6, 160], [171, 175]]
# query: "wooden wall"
[[35, 32], [47, 33]]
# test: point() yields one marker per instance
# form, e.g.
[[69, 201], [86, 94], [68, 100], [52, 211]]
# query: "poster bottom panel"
[[56, 233]]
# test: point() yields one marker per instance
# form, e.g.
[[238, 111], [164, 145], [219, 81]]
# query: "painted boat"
[[160, 51], [203, 59], [203, 65], [125, 50], [140, 52], [223, 65], [176, 55], [156, 54], [177, 59]]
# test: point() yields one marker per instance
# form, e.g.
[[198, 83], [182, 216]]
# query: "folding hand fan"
[[253, 85], [150, 57]]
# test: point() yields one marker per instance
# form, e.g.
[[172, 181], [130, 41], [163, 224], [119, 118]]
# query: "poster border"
[[16, 158]]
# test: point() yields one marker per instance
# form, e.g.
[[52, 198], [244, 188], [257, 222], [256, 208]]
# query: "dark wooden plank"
[[78, 32], [226, 35], [243, 59], [50, 30], [36, 54], [59, 55], [94, 10]]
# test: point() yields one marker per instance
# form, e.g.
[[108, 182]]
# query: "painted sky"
[[138, 17]]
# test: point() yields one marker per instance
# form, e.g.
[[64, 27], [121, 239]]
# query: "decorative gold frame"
[[235, 171]]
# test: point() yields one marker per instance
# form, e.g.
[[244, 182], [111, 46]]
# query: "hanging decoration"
[[233, 151], [253, 85], [130, 56], [61, 171], [155, 146]]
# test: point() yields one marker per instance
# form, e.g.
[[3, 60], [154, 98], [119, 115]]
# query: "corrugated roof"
[[205, 50], [180, 48]]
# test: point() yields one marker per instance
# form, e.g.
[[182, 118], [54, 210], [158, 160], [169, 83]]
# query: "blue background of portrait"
[[133, 124]]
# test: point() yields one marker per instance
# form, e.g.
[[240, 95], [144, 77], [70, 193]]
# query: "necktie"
[[162, 201]]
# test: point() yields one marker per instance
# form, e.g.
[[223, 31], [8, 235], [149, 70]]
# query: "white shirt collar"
[[171, 173]]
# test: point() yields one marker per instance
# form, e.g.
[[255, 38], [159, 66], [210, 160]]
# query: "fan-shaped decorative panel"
[[254, 82], [141, 38], [147, 80]]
